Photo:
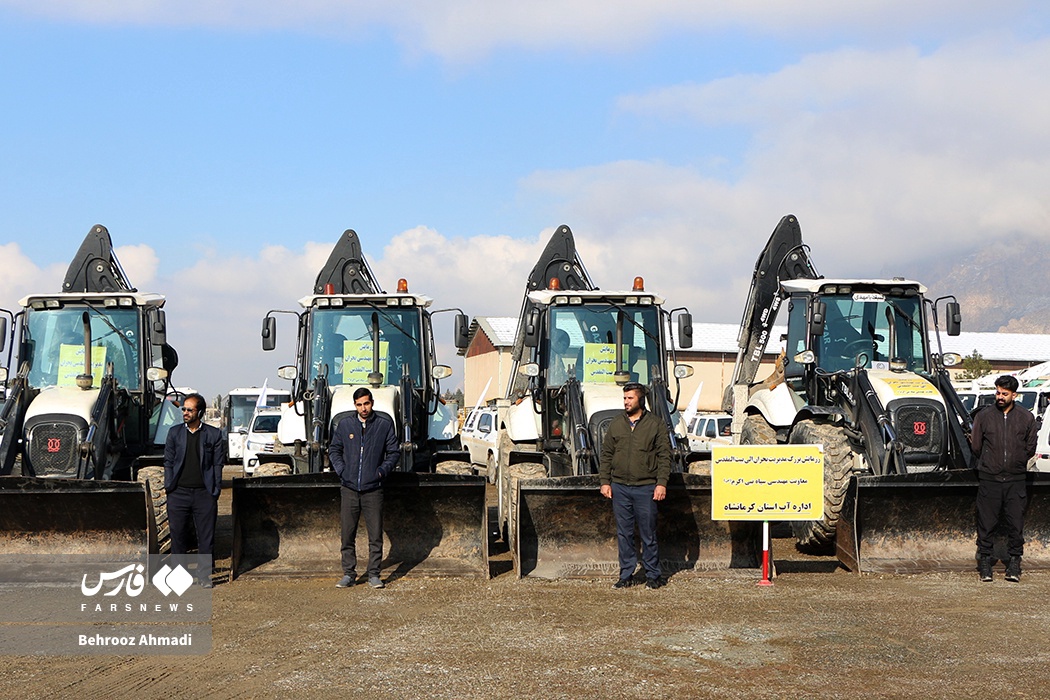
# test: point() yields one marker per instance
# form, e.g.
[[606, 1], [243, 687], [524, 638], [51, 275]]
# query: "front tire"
[[818, 536], [153, 478]]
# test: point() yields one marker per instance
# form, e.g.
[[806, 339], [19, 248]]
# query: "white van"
[[260, 436], [1042, 445]]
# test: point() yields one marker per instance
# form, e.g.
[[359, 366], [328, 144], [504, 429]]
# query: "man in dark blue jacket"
[[363, 452], [194, 454]]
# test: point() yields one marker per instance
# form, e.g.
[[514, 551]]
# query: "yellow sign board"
[[767, 482], [910, 386], [357, 360], [599, 362], [71, 364]]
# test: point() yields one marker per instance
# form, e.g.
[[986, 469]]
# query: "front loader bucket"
[[926, 522], [109, 520], [566, 529], [433, 525]]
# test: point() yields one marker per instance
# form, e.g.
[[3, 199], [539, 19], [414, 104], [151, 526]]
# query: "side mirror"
[[685, 330], [269, 333], [532, 329], [169, 358], [3, 332], [954, 318], [817, 314], [462, 331], [159, 327]]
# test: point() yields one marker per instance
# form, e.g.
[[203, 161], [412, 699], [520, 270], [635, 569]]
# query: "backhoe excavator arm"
[[785, 257], [95, 267]]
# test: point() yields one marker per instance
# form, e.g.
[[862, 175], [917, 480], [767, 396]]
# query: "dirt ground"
[[818, 631]]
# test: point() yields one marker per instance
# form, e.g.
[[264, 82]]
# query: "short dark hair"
[[363, 391], [635, 386], [1008, 382], [202, 405]]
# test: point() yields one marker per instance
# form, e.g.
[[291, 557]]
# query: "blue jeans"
[[634, 506]]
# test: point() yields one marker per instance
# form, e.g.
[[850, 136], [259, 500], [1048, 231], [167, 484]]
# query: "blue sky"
[[226, 145]]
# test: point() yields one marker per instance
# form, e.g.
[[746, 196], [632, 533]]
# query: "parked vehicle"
[[480, 438], [706, 431], [1042, 448], [259, 436], [350, 335], [864, 377], [238, 407], [80, 426]]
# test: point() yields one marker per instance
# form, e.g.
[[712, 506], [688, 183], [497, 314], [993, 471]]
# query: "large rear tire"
[[818, 536], [756, 431], [153, 478]]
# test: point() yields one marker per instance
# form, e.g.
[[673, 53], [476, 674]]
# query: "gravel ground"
[[818, 631]]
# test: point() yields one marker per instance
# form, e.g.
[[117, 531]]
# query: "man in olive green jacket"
[[634, 466]]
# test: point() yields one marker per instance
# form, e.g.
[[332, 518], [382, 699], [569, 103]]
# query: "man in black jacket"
[[633, 470], [363, 452], [1004, 440]]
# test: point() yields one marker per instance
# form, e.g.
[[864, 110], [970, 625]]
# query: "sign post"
[[767, 482]]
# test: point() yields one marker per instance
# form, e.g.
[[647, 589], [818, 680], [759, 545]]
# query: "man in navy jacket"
[[194, 455], [363, 452]]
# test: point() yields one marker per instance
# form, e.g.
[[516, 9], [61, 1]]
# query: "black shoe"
[[624, 583], [653, 583], [1013, 570], [984, 568], [345, 582]]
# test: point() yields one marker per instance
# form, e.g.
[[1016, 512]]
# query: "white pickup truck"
[[709, 430], [479, 436]]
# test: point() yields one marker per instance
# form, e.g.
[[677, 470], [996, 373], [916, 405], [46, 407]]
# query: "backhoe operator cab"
[[363, 341], [879, 324], [597, 341], [125, 334]]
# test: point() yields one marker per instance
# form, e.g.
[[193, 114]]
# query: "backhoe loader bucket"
[[566, 529], [110, 520], [926, 522], [433, 525]]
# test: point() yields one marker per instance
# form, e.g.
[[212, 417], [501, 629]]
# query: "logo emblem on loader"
[[54, 444], [919, 427]]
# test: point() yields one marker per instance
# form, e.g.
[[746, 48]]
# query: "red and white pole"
[[766, 581]]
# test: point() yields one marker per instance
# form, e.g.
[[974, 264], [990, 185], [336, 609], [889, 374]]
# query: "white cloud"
[[215, 307], [462, 29], [21, 276], [140, 264], [887, 157]]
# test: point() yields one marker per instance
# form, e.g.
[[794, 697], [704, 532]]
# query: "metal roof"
[[1008, 347], [500, 330]]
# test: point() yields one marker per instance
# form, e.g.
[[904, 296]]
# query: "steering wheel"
[[856, 347]]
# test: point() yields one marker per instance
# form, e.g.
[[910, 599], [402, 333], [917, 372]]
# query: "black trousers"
[[1000, 502], [353, 506], [189, 510]]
